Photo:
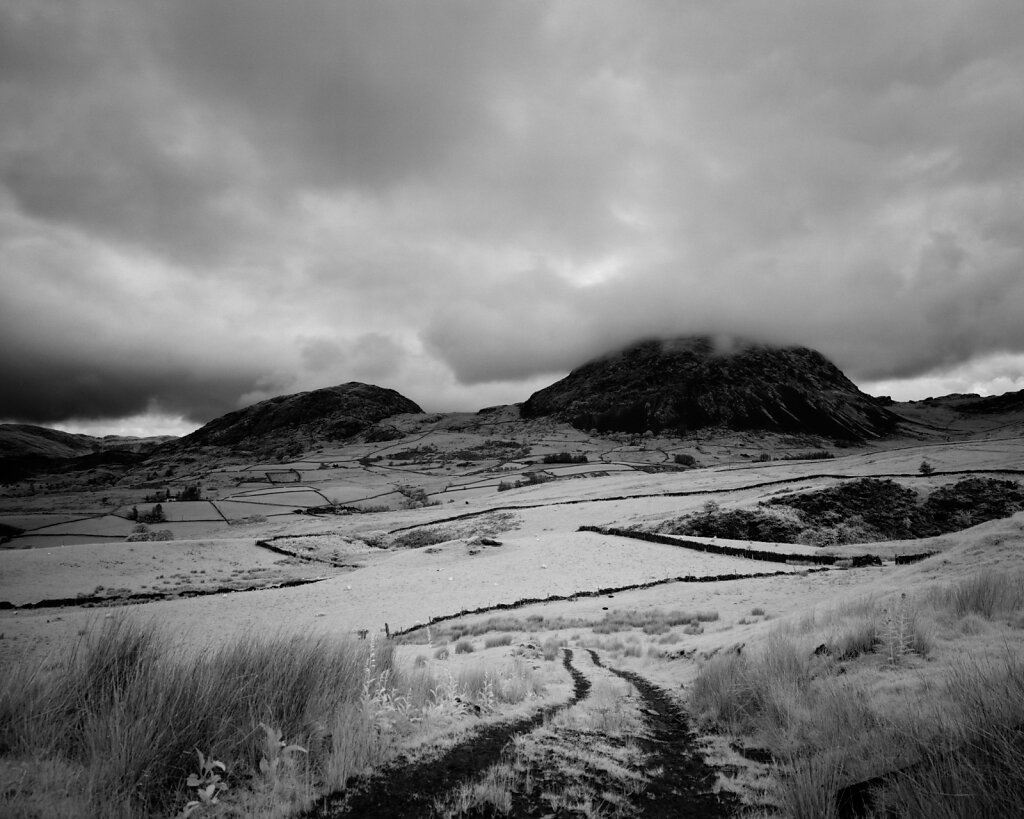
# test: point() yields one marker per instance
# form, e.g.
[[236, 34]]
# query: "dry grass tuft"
[[275, 717]]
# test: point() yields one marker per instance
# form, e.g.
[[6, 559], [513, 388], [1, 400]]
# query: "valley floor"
[[492, 576]]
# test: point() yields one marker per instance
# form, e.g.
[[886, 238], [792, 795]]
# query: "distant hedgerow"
[[564, 458]]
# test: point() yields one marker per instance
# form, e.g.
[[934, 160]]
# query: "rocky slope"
[[693, 383], [330, 413]]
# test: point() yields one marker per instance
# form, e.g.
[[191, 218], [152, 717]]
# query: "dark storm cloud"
[[203, 202], [49, 391]]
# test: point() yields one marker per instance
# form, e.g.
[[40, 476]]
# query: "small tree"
[[926, 469], [155, 515]]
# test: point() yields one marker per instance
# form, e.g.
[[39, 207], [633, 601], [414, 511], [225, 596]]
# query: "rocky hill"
[[693, 383], [331, 413]]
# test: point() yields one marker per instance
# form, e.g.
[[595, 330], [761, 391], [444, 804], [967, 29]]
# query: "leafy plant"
[[278, 755], [208, 782]]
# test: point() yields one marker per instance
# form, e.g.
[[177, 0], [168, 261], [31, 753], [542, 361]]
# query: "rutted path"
[[685, 782], [410, 791], [675, 781]]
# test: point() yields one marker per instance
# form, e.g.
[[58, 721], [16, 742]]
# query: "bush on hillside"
[[881, 506], [564, 458], [972, 501], [735, 524]]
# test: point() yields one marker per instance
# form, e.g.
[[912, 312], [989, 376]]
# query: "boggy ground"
[[659, 617]]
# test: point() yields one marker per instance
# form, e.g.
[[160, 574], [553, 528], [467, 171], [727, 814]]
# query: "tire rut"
[[685, 785], [410, 790]]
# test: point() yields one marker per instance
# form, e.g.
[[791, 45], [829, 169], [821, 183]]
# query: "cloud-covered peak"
[[203, 203]]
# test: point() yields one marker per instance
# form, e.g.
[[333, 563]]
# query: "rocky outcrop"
[[693, 383]]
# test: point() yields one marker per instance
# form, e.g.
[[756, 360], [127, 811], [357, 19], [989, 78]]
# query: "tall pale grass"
[[128, 710], [964, 759], [971, 759], [986, 593], [131, 710]]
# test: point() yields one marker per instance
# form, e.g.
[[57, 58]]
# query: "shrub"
[[972, 501], [736, 524], [684, 459], [142, 533], [881, 508], [564, 458], [418, 538], [532, 479]]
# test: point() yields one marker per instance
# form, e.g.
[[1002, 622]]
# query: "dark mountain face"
[[993, 404], [330, 413], [688, 383]]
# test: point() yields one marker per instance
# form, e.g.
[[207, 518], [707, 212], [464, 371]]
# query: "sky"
[[205, 203]]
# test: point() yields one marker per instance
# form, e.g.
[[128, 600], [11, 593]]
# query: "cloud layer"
[[206, 202]]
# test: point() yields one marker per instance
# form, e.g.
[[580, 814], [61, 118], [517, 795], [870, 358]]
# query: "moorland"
[[522, 614]]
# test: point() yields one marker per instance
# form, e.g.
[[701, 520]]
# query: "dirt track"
[[411, 790], [682, 784], [684, 788]]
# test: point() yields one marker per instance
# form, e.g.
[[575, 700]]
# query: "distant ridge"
[[330, 413], [26, 439], [26, 450], [693, 383], [993, 404]]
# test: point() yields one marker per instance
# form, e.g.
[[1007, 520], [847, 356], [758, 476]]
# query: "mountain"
[[692, 383], [18, 440], [27, 450], [328, 413]]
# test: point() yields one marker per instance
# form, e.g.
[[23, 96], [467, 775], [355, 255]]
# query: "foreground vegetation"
[[128, 725], [849, 698]]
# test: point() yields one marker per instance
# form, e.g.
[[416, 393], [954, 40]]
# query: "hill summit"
[[328, 413], [695, 382]]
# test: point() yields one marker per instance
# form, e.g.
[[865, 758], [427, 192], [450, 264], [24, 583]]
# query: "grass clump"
[[275, 719], [940, 745], [984, 594], [130, 710], [972, 764]]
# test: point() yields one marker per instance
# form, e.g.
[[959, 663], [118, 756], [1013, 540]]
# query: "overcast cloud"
[[208, 202]]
